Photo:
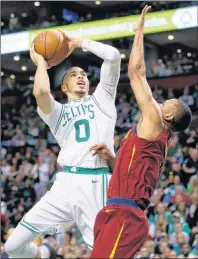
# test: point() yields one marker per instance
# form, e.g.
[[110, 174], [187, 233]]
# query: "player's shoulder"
[[59, 105], [87, 98], [57, 102]]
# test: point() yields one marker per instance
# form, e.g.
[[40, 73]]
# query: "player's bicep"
[[45, 102], [147, 104], [52, 118]]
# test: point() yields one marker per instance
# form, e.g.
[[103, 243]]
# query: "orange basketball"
[[52, 45]]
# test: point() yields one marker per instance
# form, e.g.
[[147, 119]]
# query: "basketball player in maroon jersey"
[[121, 227]]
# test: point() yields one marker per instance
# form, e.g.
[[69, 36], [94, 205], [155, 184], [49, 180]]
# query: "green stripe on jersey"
[[28, 226], [96, 102], [59, 119], [83, 170], [106, 187], [33, 231]]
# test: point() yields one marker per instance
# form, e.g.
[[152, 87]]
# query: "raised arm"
[[110, 69], [137, 74], [41, 89]]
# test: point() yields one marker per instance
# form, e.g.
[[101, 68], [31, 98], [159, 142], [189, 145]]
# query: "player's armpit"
[[54, 119], [149, 107]]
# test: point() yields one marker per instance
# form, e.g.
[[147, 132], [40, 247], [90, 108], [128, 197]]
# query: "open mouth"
[[81, 83]]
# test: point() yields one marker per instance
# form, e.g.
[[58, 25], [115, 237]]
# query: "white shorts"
[[76, 196]]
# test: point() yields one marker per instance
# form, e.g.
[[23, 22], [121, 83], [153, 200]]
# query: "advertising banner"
[[118, 27]]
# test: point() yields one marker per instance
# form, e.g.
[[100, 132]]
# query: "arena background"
[[29, 151]]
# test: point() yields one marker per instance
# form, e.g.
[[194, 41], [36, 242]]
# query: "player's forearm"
[[104, 51], [137, 70], [110, 70], [136, 59], [111, 161], [41, 80]]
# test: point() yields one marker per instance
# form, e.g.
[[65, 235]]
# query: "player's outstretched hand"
[[36, 58], [140, 24], [73, 42], [102, 150]]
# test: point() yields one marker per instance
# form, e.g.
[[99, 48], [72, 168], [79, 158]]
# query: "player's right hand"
[[140, 24], [36, 58], [74, 42], [102, 150]]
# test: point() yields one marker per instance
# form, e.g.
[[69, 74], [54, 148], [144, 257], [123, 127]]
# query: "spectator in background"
[[177, 219], [40, 173], [150, 247], [190, 166], [160, 210], [187, 98], [180, 241], [174, 145], [193, 185], [14, 23], [193, 139], [192, 214], [176, 182], [32, 129], [178, 230], [182, 209], [161, 223], [28, 193], [143, 254], [185, 251], [5, 167]]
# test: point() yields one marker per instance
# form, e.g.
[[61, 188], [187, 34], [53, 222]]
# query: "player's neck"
[[75, 97]]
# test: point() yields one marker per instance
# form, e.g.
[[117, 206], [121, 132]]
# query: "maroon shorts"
[[119, 232]]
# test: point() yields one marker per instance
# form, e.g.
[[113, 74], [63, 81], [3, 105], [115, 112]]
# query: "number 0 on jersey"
[[82, 130]]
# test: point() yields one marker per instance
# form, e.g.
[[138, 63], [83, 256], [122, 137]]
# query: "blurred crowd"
[[34, 18], [29, 167], [174, 64], [177, 64]]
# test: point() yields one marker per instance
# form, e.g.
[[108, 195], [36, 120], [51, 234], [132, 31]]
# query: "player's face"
[[168, 109], [76, 82]]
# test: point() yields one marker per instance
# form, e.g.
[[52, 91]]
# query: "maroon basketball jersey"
[[137, 167]]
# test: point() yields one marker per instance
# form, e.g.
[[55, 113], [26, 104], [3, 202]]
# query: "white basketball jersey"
[[80, 124]]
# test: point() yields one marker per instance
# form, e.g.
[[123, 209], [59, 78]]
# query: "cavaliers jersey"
[[138, 165]]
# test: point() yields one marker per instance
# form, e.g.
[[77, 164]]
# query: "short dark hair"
[[182, 117], [67, 72]]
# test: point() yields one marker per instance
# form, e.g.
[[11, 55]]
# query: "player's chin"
[[81, 92]]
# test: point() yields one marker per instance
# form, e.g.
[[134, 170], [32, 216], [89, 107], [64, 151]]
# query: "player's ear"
[[64, 88], [168, 117]]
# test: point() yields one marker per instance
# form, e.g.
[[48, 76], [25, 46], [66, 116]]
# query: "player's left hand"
[[36, 58], [140, 24], [73, 42], [102, 150]]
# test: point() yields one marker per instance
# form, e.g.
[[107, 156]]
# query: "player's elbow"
[[114, 56], [136, 71], [40, 92]]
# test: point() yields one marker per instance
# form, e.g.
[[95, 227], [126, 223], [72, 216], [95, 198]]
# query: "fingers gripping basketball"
[[52, 45]]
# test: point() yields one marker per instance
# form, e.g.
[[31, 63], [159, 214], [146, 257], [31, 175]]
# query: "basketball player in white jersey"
[[79, 191]]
